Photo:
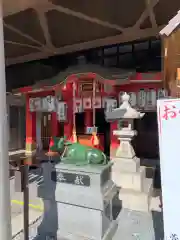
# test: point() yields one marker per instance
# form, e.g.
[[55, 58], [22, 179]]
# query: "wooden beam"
[[44, 26], [145, 14], [12, 7], [150, 7], [22, 34], [83, 16], [23, 45], [130, 35]]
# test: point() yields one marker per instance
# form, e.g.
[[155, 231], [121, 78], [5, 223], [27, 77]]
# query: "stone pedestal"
[[78, 202], [134, 189]]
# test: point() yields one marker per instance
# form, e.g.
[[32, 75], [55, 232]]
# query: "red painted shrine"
[[73, 104]]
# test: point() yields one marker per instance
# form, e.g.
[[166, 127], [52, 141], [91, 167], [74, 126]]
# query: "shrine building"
[[75, 102]]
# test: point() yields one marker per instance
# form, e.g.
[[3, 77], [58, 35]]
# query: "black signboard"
[[71, 178]]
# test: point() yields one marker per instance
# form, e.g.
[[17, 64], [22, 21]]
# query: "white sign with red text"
[[78, 105], [168, 111]]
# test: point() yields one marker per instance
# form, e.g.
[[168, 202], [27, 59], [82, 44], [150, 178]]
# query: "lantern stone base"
[[135, 190]]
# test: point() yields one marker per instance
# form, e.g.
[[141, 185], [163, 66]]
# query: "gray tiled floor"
[[140, 226], [132, 226]]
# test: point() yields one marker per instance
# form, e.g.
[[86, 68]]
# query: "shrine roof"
[[112, 76]]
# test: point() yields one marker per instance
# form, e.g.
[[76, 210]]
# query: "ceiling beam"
[[23, 34], [145, 14], [131, 35], [23, 45], [83, 16], [150, 8], [12, 7], [44, 26]]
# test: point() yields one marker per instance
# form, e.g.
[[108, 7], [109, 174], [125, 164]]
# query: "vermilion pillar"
[[68, 125], [30, 129], [68, 98]]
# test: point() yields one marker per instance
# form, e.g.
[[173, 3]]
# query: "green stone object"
[[78, 154]]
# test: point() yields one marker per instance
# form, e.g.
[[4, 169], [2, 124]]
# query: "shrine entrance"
[[103, 128], [45, 130]]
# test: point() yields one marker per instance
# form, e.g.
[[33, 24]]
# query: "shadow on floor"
[[49, 225], [157, 217], [116, 206], [158, 225]]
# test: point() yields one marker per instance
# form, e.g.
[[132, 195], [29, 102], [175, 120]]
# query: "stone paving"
[[132, 226]]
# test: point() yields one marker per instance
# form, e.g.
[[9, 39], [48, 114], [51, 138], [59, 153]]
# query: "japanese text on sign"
[[169, 111], [71, 178]]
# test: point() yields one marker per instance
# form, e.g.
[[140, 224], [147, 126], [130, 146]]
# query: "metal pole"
[[5, 207], [26, 201]]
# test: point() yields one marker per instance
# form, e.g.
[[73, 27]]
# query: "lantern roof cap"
[[125, 111]]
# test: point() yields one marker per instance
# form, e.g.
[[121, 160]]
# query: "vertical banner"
[[32, 105], [151, 99], [78, 105], [62, 111], [97, 102], [35, 104], [51, 103], [110, 105], [141, 98], [87, 103], [132, 100], [120, 97], [48, 104], [169, 133]]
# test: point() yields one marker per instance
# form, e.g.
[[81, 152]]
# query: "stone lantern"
[[127, 174]]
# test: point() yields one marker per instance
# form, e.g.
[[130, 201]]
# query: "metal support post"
[[5, 206], [26, 201]]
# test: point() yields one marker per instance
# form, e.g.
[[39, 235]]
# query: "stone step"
[[136, 200], [129, 180]]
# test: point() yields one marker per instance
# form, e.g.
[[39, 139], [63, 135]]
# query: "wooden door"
[[45, 130]]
